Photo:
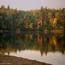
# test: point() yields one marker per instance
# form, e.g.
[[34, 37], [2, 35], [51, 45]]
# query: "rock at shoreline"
[[12, 60]]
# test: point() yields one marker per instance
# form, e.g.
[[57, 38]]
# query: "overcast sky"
[[33, 4]]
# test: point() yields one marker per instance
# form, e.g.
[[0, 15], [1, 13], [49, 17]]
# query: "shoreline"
[[13, 60]]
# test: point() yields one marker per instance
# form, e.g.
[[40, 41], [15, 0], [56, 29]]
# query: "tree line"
[[41, 19]]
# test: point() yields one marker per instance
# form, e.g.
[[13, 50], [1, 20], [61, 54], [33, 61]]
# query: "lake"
[[44, 47]]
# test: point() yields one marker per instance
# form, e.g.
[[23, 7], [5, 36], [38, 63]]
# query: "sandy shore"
[[12, 60]]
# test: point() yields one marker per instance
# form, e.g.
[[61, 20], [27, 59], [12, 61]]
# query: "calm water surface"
[[49, 48], [53, 58]]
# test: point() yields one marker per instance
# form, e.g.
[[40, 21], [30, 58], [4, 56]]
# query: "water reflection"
[[44, 43]]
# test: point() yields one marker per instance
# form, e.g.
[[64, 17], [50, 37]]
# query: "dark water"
[[48, 47]]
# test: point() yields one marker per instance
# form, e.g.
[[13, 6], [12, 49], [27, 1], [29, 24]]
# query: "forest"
[[43, 19]]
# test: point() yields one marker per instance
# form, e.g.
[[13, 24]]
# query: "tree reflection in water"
[[32, 41]]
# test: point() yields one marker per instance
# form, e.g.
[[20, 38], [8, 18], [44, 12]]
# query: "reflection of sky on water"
[[48, 48], [53, 58]]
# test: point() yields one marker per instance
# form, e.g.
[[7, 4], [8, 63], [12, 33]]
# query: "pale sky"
[[33, 4]]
